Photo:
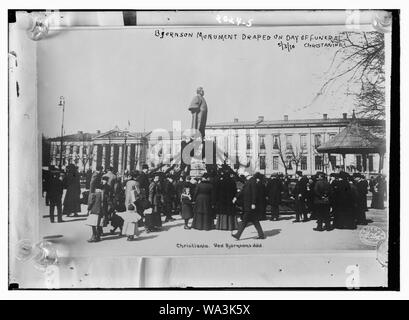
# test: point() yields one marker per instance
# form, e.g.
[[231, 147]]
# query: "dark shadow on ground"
[[286, 218], [145, 237], [53, 237], [112, 237], [267, 234], [76, 219]]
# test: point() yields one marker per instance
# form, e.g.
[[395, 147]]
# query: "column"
[[111, 156], [86, 161], [67, 154], [103, 162], [53, 154], [120, 159], [128, 158], [137, 159], [108, 155], [74, 154], [81, 162], [94, 157]]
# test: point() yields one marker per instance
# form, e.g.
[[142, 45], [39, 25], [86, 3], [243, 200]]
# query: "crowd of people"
[[217, 199]]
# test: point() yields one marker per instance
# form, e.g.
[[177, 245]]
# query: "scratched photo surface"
[[273, 96]]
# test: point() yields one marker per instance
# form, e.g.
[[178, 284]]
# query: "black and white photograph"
[[219, 149]]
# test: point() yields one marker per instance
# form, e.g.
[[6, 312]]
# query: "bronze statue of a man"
[[198, 107]]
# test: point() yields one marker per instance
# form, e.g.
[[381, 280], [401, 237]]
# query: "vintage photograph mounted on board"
[[245, 135]]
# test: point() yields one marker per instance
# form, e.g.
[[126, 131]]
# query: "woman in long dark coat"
[[153, 219], [72, 199], [378, 193], [344, 212], [204, 203], [226, 212]]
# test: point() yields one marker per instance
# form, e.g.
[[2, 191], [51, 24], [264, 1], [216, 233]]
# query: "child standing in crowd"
[[95, 209], [187, 206]]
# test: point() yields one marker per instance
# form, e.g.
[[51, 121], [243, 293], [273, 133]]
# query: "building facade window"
[[248, 142], [262, 143], [303, 163], [317, 140], [262, 162], [276, 141], [275, 163]]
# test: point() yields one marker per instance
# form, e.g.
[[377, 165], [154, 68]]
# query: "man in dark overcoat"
[[300, 195], [249, 196], [55, 192], [274, 189]]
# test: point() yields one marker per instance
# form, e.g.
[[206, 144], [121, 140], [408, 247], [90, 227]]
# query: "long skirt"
[[72, 202], [226, 222], [202, 221], [345, 218], [187, 211]]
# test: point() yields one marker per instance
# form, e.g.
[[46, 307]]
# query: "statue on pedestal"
[[198, 108]]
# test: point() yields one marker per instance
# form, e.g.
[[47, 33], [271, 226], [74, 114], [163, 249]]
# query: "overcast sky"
[[111, 76]]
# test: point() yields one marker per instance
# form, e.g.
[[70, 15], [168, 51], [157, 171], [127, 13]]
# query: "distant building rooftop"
[[113, 134], [289, 123]]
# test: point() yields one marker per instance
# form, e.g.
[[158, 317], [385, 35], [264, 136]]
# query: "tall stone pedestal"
[[197, 168]]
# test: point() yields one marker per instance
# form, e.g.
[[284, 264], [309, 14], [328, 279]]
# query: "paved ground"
[[283, 236]]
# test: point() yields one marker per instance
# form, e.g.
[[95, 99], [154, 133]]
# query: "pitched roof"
[[76, 137], [354, 139], [113, 134]]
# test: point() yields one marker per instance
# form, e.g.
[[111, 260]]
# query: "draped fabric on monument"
[[355, 139]]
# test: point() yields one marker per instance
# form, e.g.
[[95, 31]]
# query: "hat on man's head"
[[145, 166], [298, 173], [343, 175]]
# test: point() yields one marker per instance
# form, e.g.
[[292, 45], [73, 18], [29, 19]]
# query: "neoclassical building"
[[121, 149], [267, 146], [271, 146]]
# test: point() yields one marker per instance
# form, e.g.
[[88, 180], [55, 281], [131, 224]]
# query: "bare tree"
[[360, 61], [283, 156], [297, 155]]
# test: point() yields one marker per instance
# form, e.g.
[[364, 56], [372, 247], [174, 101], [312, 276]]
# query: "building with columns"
[[121, 149], [267, 146], [272, 146]]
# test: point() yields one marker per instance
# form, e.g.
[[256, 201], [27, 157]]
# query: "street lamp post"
[[62, 104]]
